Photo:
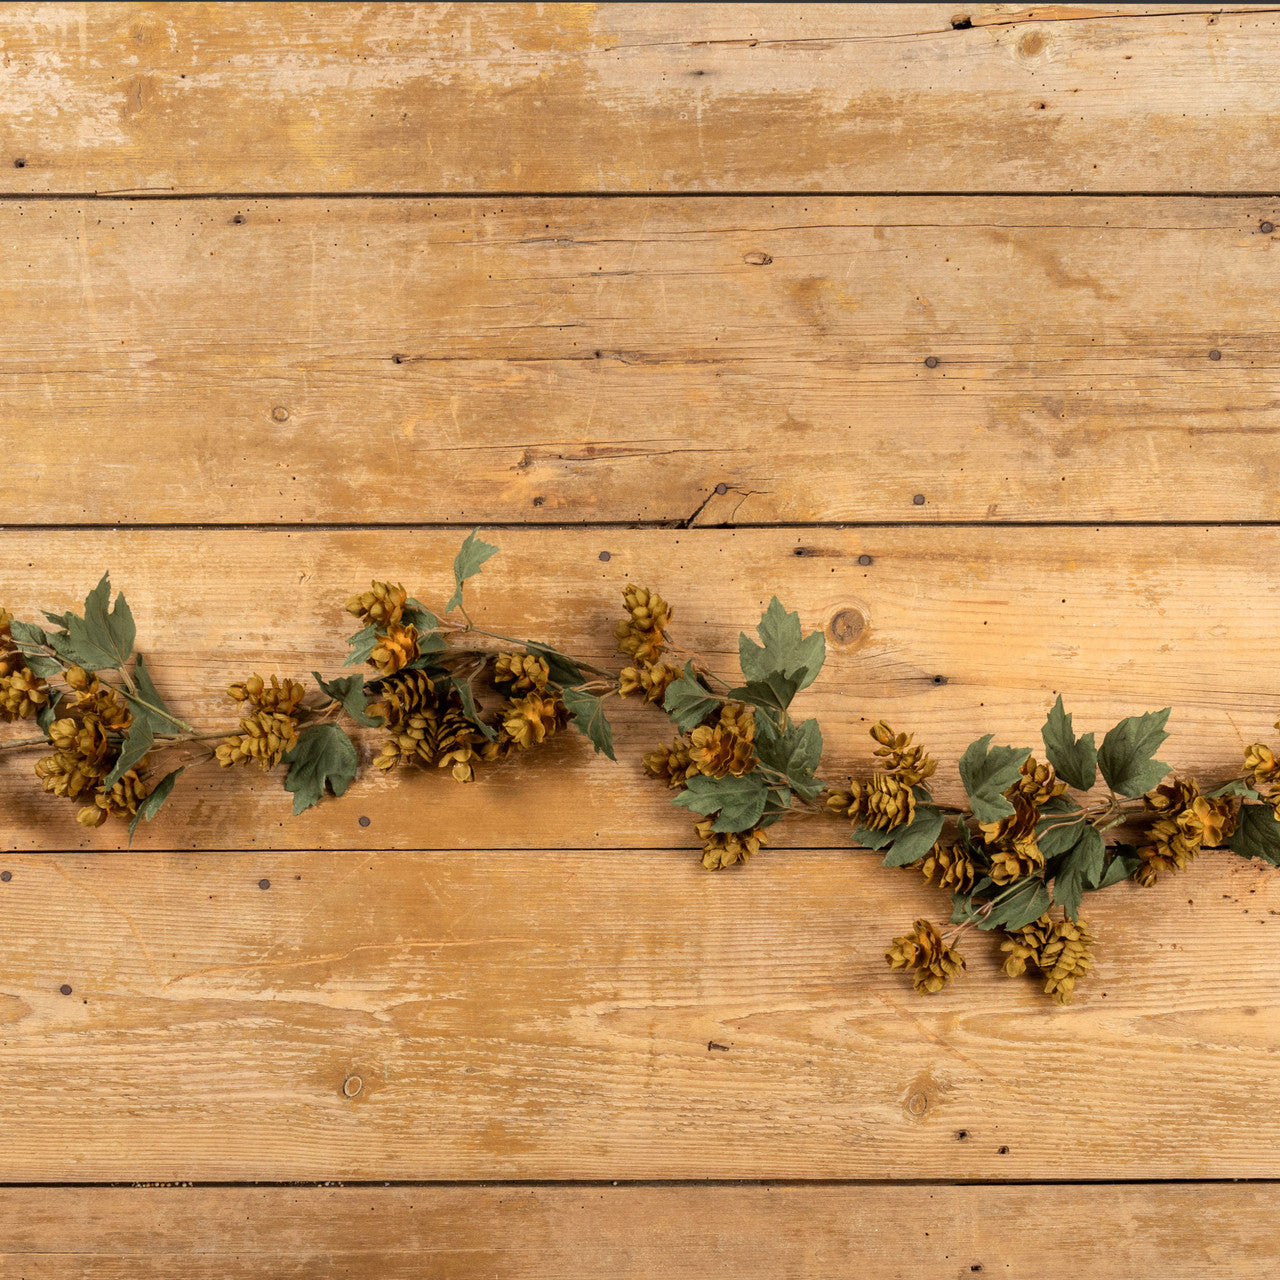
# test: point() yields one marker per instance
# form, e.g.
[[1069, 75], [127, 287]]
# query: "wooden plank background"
[[292, 295]]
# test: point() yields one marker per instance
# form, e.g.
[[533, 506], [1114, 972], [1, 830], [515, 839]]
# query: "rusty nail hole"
[[918, 500], [1039, 106], [864, 559], [1003, 1151], [264, 883], [364, 820], [977, 1266], [931, 362], [800, 551], [961, 1134], [6, 876], [352, 1085], [961, 22], [939, 679], [1215, 355], [280, 413], [19, 164], [722, 487], [65, 989], [537, 502], [1266, 228], [397, 358], [238, 219], [604, 555]]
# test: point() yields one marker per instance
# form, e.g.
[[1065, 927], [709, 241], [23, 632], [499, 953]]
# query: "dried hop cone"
[[1185, 822], [439, 734], [932, 962], [531, 720], [1038, 783], [275, 696], [524, 672], [119, 801], [673, 765], [726, 746], [396, 648], [1024, 946], [911, 764], [883, 803], [266, 737], [400, 696], [949, 866], [382, 605], [22, 693], [722, 849], [1059, 950], [1011, 842], [649, 678], [642, 634]]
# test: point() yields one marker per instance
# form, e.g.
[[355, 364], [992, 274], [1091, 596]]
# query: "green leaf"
[[470, 709], [589, 719], [783, 650], [1059, 830], [49, 712], [1074, 759], [1028, 902], [467, 563], [31, 641], [1257, 835], [1082, 870], [916, 840], [415, 615], [739, 802], [151, 805], [1123, 862], [102, 639], [987, 772], [871, 838], [1234, 788], [350, 692], [686, 701], [773, 693], [1125, 756], [324, 756], [564, 671], [150, 716], [363, 643], [795, 754]]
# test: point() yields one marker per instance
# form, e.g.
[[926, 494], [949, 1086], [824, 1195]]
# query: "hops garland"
[[444, 694]]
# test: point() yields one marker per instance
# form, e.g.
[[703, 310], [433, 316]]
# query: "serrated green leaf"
[[150, 716], [1234, 788], [324, 757], [589, 719], [1028, 902], [773, 693], [1074, 759], [871, 838], [1257, 834], [103, 639], [1081, 870], [470, 709], [350, 692], [987, 772], [795, 754], [1123, 862], [1059, 831], [467, 563], [363, 643], [564, 671], [1125, 756], [783, 649], [31, 642], [152, 804], [916, 840], [49, 712], [686, 701], [415, 615], [739, 802]]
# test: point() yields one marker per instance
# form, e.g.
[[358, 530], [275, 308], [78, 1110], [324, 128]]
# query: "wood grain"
[[704, 361], [1182, 1232], [159, 98], [947, 633], [607, 1013]]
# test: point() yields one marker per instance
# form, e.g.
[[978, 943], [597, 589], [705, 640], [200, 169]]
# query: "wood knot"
[[351, 1086], [757, 259], [847, 626], [280, 413], [917, 1104], [1031, 44]]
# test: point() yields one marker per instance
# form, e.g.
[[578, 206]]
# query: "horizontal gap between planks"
[[625, 525], [569, 1184], [787, 194]]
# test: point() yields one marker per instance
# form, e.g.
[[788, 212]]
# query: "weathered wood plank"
[[589, 1014], [543, 360], [948, 633], [1182, 1232], [162, 98]]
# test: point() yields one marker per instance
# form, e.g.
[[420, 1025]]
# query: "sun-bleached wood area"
[[951, 325]]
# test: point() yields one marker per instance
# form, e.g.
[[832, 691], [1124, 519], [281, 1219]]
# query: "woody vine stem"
[[1017, 859]]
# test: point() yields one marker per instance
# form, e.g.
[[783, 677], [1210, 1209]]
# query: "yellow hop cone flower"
[[932, 962]]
